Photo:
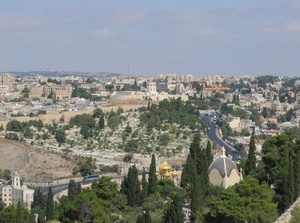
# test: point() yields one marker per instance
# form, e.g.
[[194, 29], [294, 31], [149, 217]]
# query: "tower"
[[16, 180]]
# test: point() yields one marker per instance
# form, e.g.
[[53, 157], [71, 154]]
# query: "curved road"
[[213, 133]]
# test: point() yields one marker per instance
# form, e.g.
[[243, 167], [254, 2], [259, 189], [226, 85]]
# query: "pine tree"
[[251, 160], [209, 154], [50, 205], [152, 180], [144, 192]]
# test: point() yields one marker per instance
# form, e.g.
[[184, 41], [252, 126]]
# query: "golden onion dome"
[[165, 167], [167, 175], [174, 174]]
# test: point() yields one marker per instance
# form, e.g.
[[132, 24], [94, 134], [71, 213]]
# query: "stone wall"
[[67, 115], [54, 182], [287, 215]]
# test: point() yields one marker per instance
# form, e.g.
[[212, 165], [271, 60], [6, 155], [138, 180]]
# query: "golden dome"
[[167, 175], [164, 167], [174, 174]]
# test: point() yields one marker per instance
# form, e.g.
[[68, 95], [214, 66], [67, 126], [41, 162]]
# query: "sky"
[[145, 38]]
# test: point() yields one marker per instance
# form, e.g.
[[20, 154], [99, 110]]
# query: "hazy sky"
[[225, 37]]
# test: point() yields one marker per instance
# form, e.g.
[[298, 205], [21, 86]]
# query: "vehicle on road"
[[91, 177]]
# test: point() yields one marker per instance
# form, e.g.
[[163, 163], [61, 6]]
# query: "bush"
[[12, 136]]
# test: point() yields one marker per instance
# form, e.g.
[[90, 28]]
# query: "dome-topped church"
[[223, 172], [165, 172]]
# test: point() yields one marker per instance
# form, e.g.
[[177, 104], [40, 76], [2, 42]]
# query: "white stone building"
[[12, 194]]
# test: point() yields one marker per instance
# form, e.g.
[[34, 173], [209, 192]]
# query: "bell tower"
[[16, 180]]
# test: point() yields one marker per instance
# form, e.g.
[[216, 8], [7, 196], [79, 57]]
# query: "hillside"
[[33, 164]]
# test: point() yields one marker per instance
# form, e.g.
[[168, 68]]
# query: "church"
[[223, 172], [12, 194]]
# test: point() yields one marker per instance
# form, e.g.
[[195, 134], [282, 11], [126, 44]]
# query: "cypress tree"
[[152, 180], [204, 180], [195, 148], [20, 214], [49, 205], [38, 199], [297, 175], [147, 216], [131, 187], [183, 180], [101, 122], [144, 192], [290, 182], [173, 213], [209, 154], [72, 192], [196, 200], [140, 219], [251, 160]]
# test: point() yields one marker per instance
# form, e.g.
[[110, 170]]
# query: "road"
[[213, 133]]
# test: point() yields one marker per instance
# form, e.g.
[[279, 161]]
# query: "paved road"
[[213, 133]]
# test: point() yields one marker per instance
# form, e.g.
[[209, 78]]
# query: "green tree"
[[209, 154], [131, 187], [107, 190], [72, 190], [152, 179], [276, 156], [196, 200], [144, 217], [14, 126], [101, 123], [247, 201], [251, 160], [144, 192], [97, 113], [86, 207], [49, 205], [60, 136], [38, 199], [8, 215], [86, 131], [173, 212], [86, 168], [188, 172]]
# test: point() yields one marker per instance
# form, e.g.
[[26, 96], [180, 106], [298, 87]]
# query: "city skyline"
[[147, 38]]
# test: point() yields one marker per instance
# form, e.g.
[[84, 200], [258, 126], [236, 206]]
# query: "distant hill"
[[52, 73]]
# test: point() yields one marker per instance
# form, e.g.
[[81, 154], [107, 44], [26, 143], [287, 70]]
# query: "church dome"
[[223, 164], [164, 167], [223, 172], [174, 174]]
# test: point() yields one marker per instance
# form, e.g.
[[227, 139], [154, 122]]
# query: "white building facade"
[[12, 194]]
